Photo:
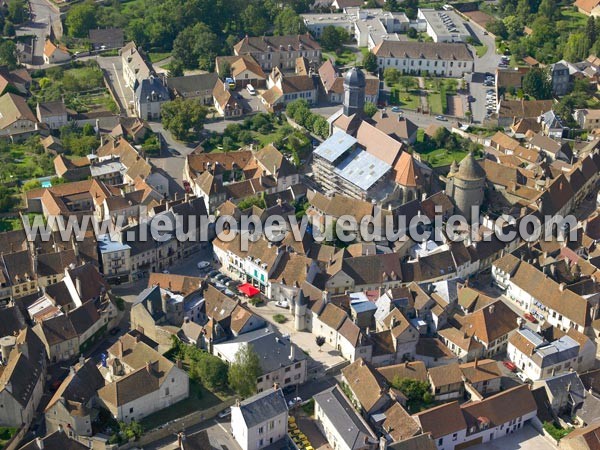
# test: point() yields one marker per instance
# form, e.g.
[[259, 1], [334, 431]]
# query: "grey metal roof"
[[362, 169], [344, 418], [335, 146], [150, 88], [562, 349], [193, 83], [566, 382], [263, 406], [272, 349]]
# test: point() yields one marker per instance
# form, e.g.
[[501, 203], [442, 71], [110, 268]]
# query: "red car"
[[510, 366], [530, 317]]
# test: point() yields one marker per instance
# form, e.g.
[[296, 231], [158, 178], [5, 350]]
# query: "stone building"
[[465, 185]]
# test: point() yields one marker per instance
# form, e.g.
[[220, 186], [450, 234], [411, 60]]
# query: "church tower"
[[465, 185], [354, 91]]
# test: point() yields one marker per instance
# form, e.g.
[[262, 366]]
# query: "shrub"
[[279, 318]]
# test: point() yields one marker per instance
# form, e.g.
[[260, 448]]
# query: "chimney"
[[165, 302], [275, 386], [179, 363], [292, 352], [476, 362], [72, 370], [39, 442], [180, 439], [383, 444], [149, 366], [78, 286], [326, 297], [561, 287], [491, 308]]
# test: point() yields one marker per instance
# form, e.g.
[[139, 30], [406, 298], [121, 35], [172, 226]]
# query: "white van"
[[251, 89]]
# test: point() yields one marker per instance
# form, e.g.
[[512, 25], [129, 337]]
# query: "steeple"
[[354, 91]]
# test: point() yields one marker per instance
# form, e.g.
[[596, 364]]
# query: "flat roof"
[[362, 169], [106, 245], [335, 146], [107, 167], [444, 22]]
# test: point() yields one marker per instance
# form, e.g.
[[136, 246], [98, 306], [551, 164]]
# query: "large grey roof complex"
[[362, 169], [272, 349], [344, 418], [263, 407], [335, 146]]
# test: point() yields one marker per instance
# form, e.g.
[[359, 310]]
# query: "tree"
[[16, 11], [320, 341], [391, 76], [8, 54], [334, 38], [289, 22], [590, 29], [391, 5], [179, 116], [549, 9], [537, 84], [412, 33], [406, 82], [370, 109], [370, 62], [211, 371], [255, 19], [196, 47], [577, 47], [244, 371], [415, 391], [497, 28], [80, 19]]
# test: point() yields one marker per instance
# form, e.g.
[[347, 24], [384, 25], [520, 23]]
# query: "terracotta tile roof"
[[394, 125], [407, 172], [504, 141], [442, 420], [378, 143], [586, 5], [333, 316], [415, 370], [276, 43], [524, 108], [500, 408], [338, 205], [423, 50], [12, 108], [179, 284], [445, 375], [460, 339], [481, 370], [399, 424], [366, 383], [491, 322]]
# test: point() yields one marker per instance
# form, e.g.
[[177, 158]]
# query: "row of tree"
[[214, 374], [195, 30]]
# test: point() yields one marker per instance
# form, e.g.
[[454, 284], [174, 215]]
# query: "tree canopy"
[[183, 117], [537, 84], [244, 371]]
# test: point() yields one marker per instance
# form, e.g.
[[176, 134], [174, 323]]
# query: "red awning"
[[248, 289]]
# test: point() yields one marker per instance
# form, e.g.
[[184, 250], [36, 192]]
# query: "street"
[[43, 15], [112, 66]]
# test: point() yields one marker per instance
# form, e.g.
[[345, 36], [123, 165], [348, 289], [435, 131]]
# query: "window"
[[130, 410], [261, 431], [166, 391]]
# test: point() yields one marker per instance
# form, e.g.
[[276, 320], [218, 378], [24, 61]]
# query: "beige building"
[[280, 51]]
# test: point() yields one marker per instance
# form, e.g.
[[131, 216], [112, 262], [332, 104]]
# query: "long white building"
[[441, 59]]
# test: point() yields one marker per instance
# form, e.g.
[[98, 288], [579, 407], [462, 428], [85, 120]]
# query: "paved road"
[[43, 14], [113, 67], [487, 63]]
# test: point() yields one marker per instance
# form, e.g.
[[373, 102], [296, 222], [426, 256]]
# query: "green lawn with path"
[[408, 100], [442, 157], [434, 100], [200, 398]]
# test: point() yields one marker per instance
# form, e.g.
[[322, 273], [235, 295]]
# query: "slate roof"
[[262, 407], [338, 409]]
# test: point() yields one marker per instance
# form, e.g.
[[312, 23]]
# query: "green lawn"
[[442, 157], [435, 103], [345, 58], [574, 20], [481, 50], [408, 100], [6, 434], [9, 224], [158, 56], [200, 398]]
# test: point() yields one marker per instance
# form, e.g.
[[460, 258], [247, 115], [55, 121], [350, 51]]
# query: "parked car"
[[213, 273], [230, 82], [530, 317], [510, 365], [281, 303], [396, 109], [203, 265], [251, 89], [225, 413], [295, 401], [441, 118]]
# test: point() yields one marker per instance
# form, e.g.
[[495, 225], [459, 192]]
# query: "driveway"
[[112, 67], [525, 439], [43, 14]]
